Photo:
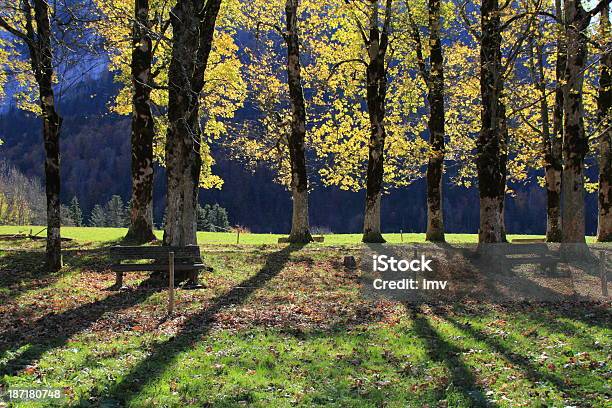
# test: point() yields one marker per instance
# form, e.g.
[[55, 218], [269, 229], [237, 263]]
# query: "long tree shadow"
[[197, 326], [531, 371], [440, 350], [509, 288], [21, 271], [54, 330]]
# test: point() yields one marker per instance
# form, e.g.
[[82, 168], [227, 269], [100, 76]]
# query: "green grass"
[[285, 327], [101, 235]]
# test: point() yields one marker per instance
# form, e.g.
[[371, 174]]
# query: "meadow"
[[106, 235], [282, 326]]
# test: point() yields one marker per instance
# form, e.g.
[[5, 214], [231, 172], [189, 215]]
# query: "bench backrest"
[[159, 253]]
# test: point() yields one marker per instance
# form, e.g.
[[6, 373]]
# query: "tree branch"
[[272, 26], [17, 33], [467, 22], [348, 61], [416, 37]]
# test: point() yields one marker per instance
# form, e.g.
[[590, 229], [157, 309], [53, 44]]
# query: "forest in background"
[[95, 167]]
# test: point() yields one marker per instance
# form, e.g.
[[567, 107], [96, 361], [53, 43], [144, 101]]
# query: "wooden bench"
[[186, 259]]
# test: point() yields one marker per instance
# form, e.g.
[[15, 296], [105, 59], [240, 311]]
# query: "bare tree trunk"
[[575, 141], [300, 230], [435, 123], [193, 29], [604, 107], [141, 216], [490, 163], [41, 57], [553, 160], [376, 89]]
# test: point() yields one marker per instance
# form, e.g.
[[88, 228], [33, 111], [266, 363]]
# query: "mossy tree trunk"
[[300, 229], [143, 131], [575, 144], [193, 28], [491, 141], [37, 36], [376, 90], [435, 123], [553, 160]]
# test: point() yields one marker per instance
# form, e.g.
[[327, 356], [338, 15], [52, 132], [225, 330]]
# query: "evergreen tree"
[[66, 216], [115, 212], [203, 219], [218, 217], [98, 217], [75, 212], [212, 218]]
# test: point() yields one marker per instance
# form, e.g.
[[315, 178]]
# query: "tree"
[[143, 131], [376, 43], [497, 64], [491, 141], [76, 215], [300, 229], [218, 217], [433, 76], [22, 200], [575, 143], [222, 92], [115, 212], [280, 137], [31, 24], [193, 28], [212, 218], [98, 217], [553, 157], [367, 133], [604, 111], [204, 223], [66, 216]]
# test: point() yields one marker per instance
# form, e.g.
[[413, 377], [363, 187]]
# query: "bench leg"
[[193, 278], [119, 279]]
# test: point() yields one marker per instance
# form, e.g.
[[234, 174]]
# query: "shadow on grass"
[[54, 330], [440, 350], [23, 270], [198, 326], [532, 372]]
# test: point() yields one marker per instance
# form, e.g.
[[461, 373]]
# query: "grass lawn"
[[102, 235], [283, 327]]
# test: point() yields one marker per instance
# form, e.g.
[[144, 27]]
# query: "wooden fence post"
[[171, 284], [603, 273]]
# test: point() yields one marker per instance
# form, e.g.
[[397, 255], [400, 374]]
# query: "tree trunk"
[[376, 89], [41, 57], [553, 160], [575, 141], [503, 166], [491, 168], [193, 29], [435, 123], [300, 230], [141, 216], [604, 108]]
